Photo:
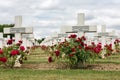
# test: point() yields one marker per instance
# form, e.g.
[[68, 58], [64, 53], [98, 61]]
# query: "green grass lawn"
[[78, 74], [115, 59], [39, 56]]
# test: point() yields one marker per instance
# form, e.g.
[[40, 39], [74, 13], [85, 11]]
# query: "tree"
[[39, 40]]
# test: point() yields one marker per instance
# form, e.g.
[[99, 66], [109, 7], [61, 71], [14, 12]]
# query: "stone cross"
[[81, 29], [18, 30]]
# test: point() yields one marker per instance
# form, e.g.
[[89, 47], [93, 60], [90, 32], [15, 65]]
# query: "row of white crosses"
[[80, 29], [54, 39], [106, 37], [18, 30]]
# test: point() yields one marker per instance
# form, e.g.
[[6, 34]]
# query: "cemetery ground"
[[38, 68]]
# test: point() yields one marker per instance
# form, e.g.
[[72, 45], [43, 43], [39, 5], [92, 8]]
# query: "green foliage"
[[40, 40], [75, 51]]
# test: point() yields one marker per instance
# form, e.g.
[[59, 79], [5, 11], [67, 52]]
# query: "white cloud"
[[5, 3], [49, 4], [50, 15]]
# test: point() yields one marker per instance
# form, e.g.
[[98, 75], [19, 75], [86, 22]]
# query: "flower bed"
[[13, 53], [75, 51]]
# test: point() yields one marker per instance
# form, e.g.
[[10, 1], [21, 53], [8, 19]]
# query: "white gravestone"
[[1, 40], [81, 28], [17, 63], [18, 30], [28, 40], [103, 37]]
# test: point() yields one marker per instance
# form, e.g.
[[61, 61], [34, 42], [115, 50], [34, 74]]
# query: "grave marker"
[[81, 27], [18, 30], [28, 40], [1, 40]]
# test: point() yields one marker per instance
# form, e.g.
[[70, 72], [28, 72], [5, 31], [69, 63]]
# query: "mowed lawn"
[[79, 74], [37, 56]]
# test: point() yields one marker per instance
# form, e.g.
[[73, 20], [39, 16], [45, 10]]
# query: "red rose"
[[14, 52], [9, 42], [82, 44], [71, 55], [85, 44], [79, 39], [93, 43], [105, 45], [13, 40], [73, 36], [3, 59], [99, 45], [97, 50], [83, 38], [57, 53], [79, 47], [73, 50], [22, 48], [20, 41], [18, 44], [110, 45], [87, 48], [1, 51], [50, 59], [117, 40]]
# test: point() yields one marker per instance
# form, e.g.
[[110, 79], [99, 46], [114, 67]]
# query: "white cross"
[[18, 30]]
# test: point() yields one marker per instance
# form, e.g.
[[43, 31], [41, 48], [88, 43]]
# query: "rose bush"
[[108, 49], [117, 46], [75, 51], [9, 54]]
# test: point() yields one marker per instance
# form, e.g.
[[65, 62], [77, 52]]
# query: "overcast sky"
[[47, 16]]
